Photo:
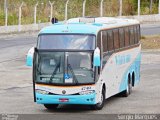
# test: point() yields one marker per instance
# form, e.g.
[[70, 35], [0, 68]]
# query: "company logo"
[[122, 59], [63, 92]]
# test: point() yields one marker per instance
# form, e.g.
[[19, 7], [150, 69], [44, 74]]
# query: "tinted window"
[[104, 39], [64, 67], [116, 39], [110, 40], [138, 32], [83, 42], [126, 37], [121, 37], [99, 40], [131, 38]]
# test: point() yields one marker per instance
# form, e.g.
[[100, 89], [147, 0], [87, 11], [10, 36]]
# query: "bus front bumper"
[[67, 99]]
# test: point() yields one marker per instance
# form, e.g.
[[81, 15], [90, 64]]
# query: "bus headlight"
[[42, 91], [86, 92]]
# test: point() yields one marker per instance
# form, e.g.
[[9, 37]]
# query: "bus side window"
[[116, 39], [131, 38], [105, 49], [104, 41], [121, 37], [110, 40], [99, 40], [138, 33], [126, 37]]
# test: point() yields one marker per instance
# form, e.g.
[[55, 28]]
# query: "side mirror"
[[96, 58], [29, 58]]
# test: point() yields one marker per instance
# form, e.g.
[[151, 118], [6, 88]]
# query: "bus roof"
[[87, 25]]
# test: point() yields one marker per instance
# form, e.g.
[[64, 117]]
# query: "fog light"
[[91, 99]]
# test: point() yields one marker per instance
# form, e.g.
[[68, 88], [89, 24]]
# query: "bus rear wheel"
[[128, 90], [51, 106], [99, 105]]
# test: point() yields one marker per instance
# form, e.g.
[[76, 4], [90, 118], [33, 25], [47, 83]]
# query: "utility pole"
[[139, 7], [159, 7], [101, 8], [84, 8], [35, 13], [150, 6], [51, 12], [5, 3], [120, 7], [66, 10], [20, 16]]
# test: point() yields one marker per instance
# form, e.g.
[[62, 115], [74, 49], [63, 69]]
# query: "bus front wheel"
[[51, 106], [99, 105]]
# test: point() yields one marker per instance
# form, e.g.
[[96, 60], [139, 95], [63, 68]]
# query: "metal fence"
[[19, 12]]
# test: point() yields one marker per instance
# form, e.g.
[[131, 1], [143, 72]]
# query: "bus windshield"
[[64, 67], [66, 41]]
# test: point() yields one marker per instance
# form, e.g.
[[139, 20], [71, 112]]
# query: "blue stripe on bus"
[[71, 28], [134, 67], [73, 99]]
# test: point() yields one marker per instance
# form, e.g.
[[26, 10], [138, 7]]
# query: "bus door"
[[108, 68]]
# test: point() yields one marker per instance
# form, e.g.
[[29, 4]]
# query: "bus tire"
[[51, 106], [128, 90], [100, 105]]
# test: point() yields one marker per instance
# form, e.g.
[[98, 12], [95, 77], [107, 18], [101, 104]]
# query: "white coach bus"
[[85, 61]]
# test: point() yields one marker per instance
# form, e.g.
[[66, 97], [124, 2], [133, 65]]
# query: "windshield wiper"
[[37, 68], [55, 70], [74, 76]]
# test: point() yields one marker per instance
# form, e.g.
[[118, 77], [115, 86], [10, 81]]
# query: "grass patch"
[[150, 42]]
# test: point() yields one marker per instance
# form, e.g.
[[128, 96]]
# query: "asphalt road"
[[150, 29], [16, 84]]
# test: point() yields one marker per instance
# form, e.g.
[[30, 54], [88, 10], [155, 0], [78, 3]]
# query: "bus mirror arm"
[[99, 70], [35, 49], [96, 58]]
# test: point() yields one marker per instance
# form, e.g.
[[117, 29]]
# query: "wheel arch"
[[133, 78], [129, 77], [104, 88]]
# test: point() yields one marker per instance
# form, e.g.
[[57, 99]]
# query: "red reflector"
[[63, 100]]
